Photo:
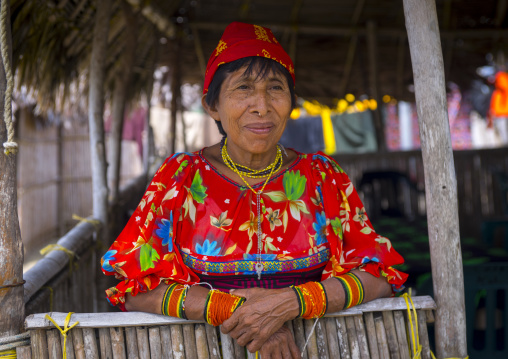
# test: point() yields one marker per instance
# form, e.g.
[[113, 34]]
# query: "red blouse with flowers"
[[196, 225]]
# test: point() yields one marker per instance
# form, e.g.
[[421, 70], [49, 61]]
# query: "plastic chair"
[[486, 296]]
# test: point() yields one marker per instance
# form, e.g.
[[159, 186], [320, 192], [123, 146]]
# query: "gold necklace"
[[249, 172], [259, 266]]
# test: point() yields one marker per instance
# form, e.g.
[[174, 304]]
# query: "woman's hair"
[[264, 65]]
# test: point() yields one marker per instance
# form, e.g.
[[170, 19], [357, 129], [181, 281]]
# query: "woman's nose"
[[260, 103]]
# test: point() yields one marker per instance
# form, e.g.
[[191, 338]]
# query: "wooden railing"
[[69, 277]]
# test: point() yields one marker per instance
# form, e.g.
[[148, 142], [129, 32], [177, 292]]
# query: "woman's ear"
[[211, 110]]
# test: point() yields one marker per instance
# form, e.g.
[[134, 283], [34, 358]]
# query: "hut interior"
[[156, 51]]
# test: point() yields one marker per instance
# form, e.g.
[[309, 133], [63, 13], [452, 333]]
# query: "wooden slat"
[[167, 352], [78, 343], [391, 335], [91, 350], [345, 353], [54, 346], [201, 342], [362, 337], [39, 344], [213, 341], [423, 334], [105, 343], [154, 338], [143, 345], [228, 348], [322, 339], [127, 319], [189, 338], [384, 353], [239, 351], [177, 342], [300, 336], [132, 343], [117, 343], [68, 344], [333, 341], [400, 327], [371, 335], [24, 352], [354, 346], [430, 316], [310, 337]]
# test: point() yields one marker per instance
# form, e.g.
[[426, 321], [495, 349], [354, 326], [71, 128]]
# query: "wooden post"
[[97, 144], [175, 94], [12, 308], [60, 180], [440, 181], [96, 110], [374, 85], [122, 84]]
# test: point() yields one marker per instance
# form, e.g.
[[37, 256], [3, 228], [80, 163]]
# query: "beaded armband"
[[353, 289], [312, 300], [173, 302], [219, 306]]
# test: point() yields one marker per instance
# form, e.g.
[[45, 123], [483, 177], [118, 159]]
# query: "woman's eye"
[[242, 87]]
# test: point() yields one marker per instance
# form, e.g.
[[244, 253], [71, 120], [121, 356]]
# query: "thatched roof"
[[52, 40]]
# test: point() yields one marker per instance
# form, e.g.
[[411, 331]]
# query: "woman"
[[281, 234]]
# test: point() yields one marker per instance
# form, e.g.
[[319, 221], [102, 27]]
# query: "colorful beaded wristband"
[[353, 289], [173, 302], [219, 306], [312, 300]]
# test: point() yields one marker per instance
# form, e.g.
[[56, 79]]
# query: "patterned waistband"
[[247, 267], [268, 281]]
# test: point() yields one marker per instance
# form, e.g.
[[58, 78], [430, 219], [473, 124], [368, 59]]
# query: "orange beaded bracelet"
[[219, 306], [353, 289], [312, 299], [174, 300]]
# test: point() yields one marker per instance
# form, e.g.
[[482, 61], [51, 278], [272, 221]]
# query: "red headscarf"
[[241, 40]]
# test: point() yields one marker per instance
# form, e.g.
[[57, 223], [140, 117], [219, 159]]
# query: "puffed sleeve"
[[354, 244], [145, 254]]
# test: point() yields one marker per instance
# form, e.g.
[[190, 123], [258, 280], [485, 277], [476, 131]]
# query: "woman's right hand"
[[281, 345]]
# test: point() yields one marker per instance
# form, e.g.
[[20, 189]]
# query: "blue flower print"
[[320, 228], [165, 231], [367, 260], [264, 257], [208, 249], [109, 256]]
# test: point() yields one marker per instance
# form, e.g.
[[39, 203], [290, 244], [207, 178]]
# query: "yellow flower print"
[[360, 216], [273, 218], [220, 47], [221, 222], [251, 226], [261, 33], [345, 203]]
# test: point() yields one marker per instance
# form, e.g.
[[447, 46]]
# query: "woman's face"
[[253, 112]]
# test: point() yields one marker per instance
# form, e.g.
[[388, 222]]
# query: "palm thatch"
[[328, 40]]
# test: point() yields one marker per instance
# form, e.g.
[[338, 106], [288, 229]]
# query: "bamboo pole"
[[96, 111], [12, 308], [120, 95], [175, 94], [440, 181]]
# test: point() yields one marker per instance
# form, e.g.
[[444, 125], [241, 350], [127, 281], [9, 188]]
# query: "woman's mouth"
[[259, 128]]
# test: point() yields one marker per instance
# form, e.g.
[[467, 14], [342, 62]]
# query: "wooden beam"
[[374, 84], [12, 308], [500, 12], [199, 50], [163, 24], [175, 94], [440, 180]]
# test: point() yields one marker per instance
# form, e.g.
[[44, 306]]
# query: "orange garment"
[[499, 100]]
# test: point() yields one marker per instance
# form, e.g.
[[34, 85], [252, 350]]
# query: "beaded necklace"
[[274, 167], [249, 172]]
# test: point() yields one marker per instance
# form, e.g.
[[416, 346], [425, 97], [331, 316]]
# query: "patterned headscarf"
[[241, 40]]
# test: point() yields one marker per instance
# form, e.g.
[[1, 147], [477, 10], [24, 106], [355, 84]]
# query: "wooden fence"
[[478, 193], [54, 178]]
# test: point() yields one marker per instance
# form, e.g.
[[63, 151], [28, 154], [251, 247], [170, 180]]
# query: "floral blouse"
[[194, 223]]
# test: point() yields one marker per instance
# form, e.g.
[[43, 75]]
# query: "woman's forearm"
[[374, 288], [151, 302]]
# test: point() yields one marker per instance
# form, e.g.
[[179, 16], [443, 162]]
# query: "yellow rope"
[[58, 247], [10, 146], [417, 348], [64, 330], [95, 222], [8, 354]]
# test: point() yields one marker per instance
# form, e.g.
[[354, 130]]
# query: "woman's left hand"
[[264, 312], [281, 345]]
